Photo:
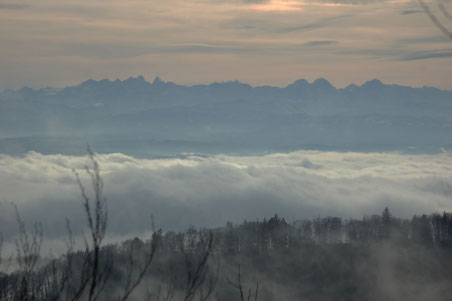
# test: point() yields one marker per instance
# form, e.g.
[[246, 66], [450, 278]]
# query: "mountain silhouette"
[[134, 114]]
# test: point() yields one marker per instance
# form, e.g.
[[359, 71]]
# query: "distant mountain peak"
[[373, 83], [26, 90], [351, 87], [233, 83], [237, 82], [300, 83], [322, 83], [157, 81], [104, 81], [88, 82], [139, 78]]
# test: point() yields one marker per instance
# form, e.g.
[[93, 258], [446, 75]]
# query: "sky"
[[274, 42]]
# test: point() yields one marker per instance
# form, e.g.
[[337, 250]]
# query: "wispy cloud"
[[256, 1], [320, 43], [107, 50], [315, 25], [12, 6], [398, 53], [354, 2], [430, 40], [411, 12], [428, 55]]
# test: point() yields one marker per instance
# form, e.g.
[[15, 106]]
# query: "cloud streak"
[[319, 43], [12, 6], [428, 55]]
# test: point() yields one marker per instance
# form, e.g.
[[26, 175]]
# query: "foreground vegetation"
[[378, 257], [373, 258]]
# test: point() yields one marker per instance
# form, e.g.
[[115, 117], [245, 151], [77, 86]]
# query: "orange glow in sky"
[[288, 5], [279, 5]]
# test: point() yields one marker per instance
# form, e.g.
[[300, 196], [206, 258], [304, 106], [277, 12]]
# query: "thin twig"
[[435, 19]]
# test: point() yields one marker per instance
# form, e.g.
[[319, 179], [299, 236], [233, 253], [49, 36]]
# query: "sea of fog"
[[209, 190]]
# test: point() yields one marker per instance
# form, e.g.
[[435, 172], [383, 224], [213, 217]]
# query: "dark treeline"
[[379, 257]]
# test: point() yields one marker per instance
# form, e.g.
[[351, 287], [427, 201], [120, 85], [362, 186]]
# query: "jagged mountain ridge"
[[234, 113]]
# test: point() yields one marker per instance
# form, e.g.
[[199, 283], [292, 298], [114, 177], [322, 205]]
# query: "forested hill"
[[379, 257], [133, 116]]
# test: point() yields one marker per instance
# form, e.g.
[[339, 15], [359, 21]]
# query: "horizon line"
[[157, 79]]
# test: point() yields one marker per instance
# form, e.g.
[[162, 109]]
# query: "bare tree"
[[62, 274], [28, 247], [96, 213], [2, 276], [238, 285], [199, 281], [1, 250], [132, 282], [169, 293]]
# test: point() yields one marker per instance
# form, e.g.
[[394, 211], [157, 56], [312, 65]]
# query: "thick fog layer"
[[209, 191]]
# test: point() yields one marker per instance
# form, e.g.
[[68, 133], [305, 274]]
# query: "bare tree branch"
[[28, 251], [1, 248], [197, 277], [238, 285], [443, 9], [149, 255], [96, 213], [434, 19]]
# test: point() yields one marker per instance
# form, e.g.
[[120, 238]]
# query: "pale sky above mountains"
[[60, 43]]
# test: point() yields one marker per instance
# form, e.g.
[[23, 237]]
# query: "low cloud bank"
[[208, 191]]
